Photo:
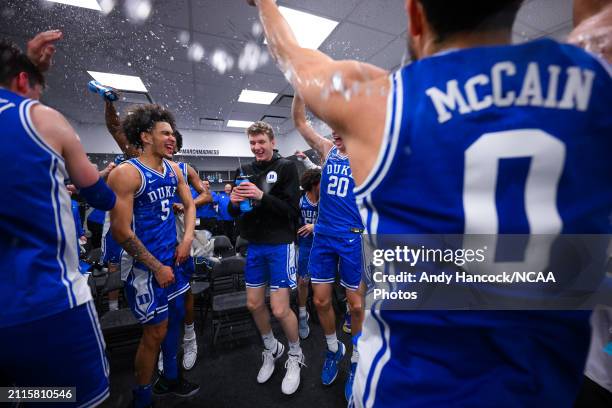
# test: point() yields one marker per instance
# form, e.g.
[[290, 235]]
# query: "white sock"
[[302, 312], [332, 342], [113, 304], [269, 341], [355, 355], [294, 348], [189, 332]]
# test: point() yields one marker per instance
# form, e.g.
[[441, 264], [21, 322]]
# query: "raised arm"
[[113, 124], [184, 193], [125, 181], [323, 82], [61, 137], [194, 181], [320, 144]]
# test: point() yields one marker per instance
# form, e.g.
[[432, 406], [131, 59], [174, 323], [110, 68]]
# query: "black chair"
[[223, 246], [230, 316], [242, 245], [119, 327]]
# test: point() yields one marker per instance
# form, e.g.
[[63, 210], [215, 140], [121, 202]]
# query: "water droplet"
[[195, 52], [257, 29], [138, 10], [184, 37], [221, 61], [337, 82], [250, 57]]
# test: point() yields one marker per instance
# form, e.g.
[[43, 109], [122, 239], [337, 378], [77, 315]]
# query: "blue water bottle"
[[245, 206], [106, 92]]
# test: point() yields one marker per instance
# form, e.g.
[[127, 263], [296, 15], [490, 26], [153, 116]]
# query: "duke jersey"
[[338, 213], [39, 265], [154, 222], [308, 215], [516, 141]]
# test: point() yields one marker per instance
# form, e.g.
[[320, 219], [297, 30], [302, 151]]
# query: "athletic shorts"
[[111, 251], [182, 276], [62, 350], [148, 301], [270, 264], [330, 254]]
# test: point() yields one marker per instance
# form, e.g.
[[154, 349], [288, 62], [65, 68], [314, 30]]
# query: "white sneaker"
[[160, 362], [268, 357], [291, 382], [190, 353]]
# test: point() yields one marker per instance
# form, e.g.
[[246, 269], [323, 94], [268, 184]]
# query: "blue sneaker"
[[348, 388], [330, 366]]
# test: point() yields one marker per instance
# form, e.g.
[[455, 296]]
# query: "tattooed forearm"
[[135, 248]]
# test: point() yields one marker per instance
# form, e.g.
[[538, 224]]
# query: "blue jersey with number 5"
[[338, 213], [154, 222]]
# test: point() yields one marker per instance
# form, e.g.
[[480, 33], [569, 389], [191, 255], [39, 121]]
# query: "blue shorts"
[[185, 270], [330, 254], [182, 276], [270, 264], [303, 256], [148, 301], [62, 350], [111, 251]]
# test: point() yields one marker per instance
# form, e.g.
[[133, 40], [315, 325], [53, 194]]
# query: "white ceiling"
[[369, 30]]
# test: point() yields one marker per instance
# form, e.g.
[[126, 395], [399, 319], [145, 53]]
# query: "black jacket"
[[274, 219]]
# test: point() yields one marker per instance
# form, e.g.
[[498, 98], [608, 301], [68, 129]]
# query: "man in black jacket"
[[270, 228]]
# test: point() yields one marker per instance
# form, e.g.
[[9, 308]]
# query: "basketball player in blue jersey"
[[42, 293], [143, 223], [309, 208], [440, 126], [113, 124], [336, 245]]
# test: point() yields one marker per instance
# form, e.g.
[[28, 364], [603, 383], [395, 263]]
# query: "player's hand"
[[178, 208], [71, 188], [249, 190], [182, 252], [41, 48], [236, 198], [107, 170], [164, 276], [306, 230], [300, 154]]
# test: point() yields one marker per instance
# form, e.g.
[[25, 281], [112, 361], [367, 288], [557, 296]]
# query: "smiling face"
[[161, 140], [338, 142], [262, 146]]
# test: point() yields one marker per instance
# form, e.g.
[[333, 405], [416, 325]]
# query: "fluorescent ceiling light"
[[239, 123], [88, 4], [119, 82], [310, 30], [262, 98]]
